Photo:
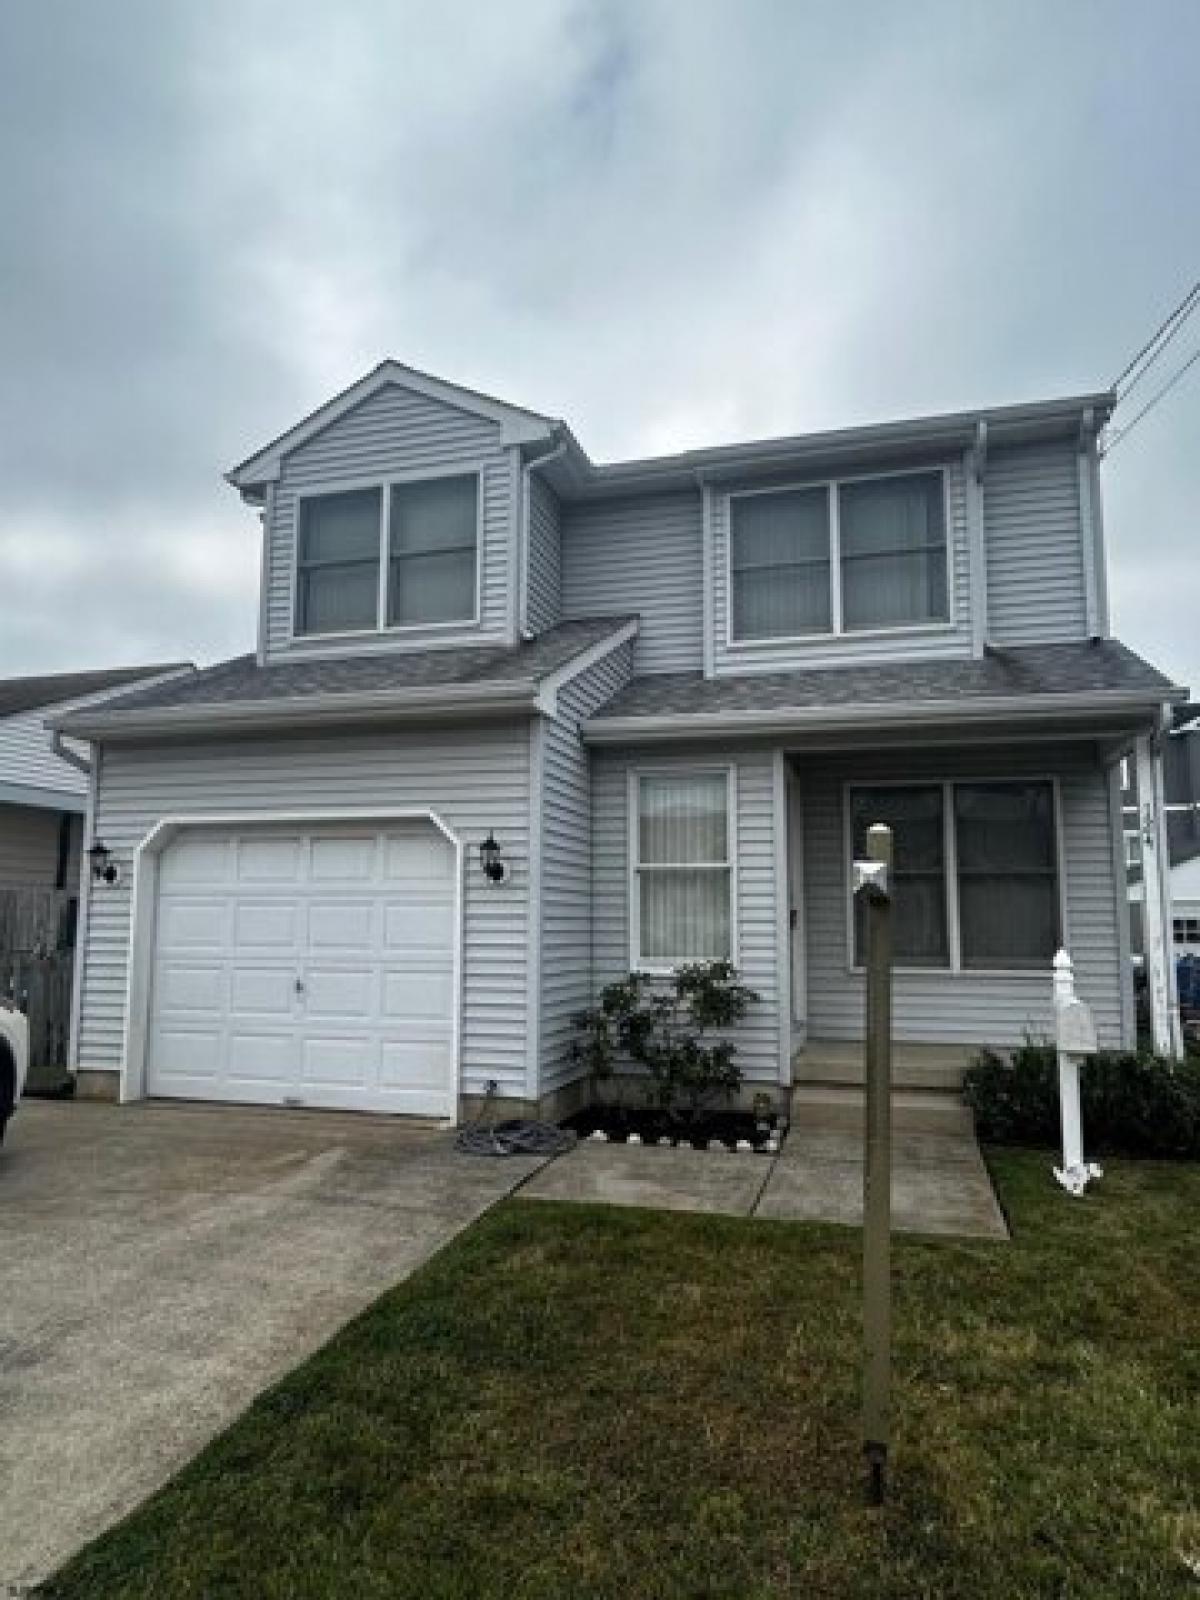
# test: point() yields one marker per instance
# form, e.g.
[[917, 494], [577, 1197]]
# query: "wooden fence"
[[37, 963]]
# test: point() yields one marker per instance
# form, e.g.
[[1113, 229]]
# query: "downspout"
[[535, 462]]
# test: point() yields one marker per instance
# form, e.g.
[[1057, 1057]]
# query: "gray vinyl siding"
[[27, 757], [29, 848], [758, 1037], [1031, 518], [544, 600], [475, 778], [395, 431], [965, 1007], [922, 644], [640, 555], [566, 891]]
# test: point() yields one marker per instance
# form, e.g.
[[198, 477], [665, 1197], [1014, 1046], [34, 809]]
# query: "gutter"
[[512, 696], [64, 752], [935, 713]]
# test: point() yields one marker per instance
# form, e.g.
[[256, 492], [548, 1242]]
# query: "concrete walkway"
[[939, 1182], [159, 1266]]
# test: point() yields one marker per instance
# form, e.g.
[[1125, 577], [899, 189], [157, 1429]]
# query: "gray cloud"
[[671, 223]]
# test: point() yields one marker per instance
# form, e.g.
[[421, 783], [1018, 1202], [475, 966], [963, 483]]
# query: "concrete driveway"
[[160, 1265]]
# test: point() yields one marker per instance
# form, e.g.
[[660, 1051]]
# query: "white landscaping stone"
[[634, 1138]]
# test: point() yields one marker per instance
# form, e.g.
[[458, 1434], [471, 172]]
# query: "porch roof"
[[1092, 677], [431, 684]]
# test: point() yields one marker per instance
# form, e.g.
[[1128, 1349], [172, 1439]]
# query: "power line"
[[1173, 322], [1158, 395]]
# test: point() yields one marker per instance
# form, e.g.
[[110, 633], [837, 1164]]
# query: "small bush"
[[1134, 1104], [663, 1026]]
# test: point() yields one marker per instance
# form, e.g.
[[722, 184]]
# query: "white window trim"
[[382, 629], [665, 969], [955, 968], [836, 630]]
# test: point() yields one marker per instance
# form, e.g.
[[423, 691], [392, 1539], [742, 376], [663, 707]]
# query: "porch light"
[[489, 856], [104, 869]]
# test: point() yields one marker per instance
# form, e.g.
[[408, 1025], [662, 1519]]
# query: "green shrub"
[[1134, 1104], [663, 1025]]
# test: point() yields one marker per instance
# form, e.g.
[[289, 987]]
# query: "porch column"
[[1156, 904]]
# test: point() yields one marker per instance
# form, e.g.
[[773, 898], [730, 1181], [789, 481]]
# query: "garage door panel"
[[340, 992], [262, 1057], [416, 993], [337, 925], [344, 860], [421, 924], [191, 987], [343, 1062], [268, 860], [422, 1065], [363, 919], [189, 1053], [266, 925], [264, 991], [196, 860], [186, 924], [420, 853]]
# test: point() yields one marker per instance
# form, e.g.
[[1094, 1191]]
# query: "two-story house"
[[519, 722]]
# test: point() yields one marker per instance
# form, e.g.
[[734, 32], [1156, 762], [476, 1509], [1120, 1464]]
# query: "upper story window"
[[837, 558], [430, 532]]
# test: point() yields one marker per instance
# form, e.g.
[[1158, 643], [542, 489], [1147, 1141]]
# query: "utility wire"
[[1158, 395], [1159, 340]]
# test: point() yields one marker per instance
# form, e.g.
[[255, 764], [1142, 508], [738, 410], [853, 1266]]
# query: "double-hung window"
[[682, 868], [398, 555], [975, 872], [838, 558]]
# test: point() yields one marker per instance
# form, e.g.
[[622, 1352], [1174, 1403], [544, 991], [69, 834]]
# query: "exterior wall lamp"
[[104, 868], [489, 857]]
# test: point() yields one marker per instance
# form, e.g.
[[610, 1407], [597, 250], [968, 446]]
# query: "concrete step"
[[841, 1107], [834, 1062]]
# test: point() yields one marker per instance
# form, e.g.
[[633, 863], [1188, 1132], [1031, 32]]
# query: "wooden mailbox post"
[[872, 885]]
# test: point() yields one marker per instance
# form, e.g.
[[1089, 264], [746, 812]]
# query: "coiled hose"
[[513, 1137]]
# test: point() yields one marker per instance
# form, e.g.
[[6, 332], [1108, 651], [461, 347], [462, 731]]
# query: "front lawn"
[[591, 1402]]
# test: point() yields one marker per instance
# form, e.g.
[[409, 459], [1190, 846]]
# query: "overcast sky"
[[670, 222]]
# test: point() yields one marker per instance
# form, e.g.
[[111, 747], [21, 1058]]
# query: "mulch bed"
[[655, 1127]]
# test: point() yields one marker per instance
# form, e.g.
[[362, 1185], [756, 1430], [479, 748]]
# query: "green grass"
[[590, 1402]]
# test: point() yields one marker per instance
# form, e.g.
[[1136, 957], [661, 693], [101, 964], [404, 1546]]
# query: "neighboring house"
[[43, 790], [672, 693], [1181, 794]]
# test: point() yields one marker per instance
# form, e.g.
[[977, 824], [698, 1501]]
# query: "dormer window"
[[397, 555], [862, 555]]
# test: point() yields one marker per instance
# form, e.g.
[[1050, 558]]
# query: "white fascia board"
[[548, 687], [952, 430], [517, 426], [514, 696], [936, 713]]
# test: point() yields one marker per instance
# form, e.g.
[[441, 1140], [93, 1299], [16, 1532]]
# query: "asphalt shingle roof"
[[57, 688], [1089, 666], [242, 680]]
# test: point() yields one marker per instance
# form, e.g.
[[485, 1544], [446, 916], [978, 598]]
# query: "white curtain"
[[338, 562], [433, 551], [893, 542], [683, 868], [779, 554]]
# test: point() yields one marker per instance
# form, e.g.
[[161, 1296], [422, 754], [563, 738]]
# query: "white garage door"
[[306, 967]]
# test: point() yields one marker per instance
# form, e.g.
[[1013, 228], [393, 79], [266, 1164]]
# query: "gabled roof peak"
[[517, 424]]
